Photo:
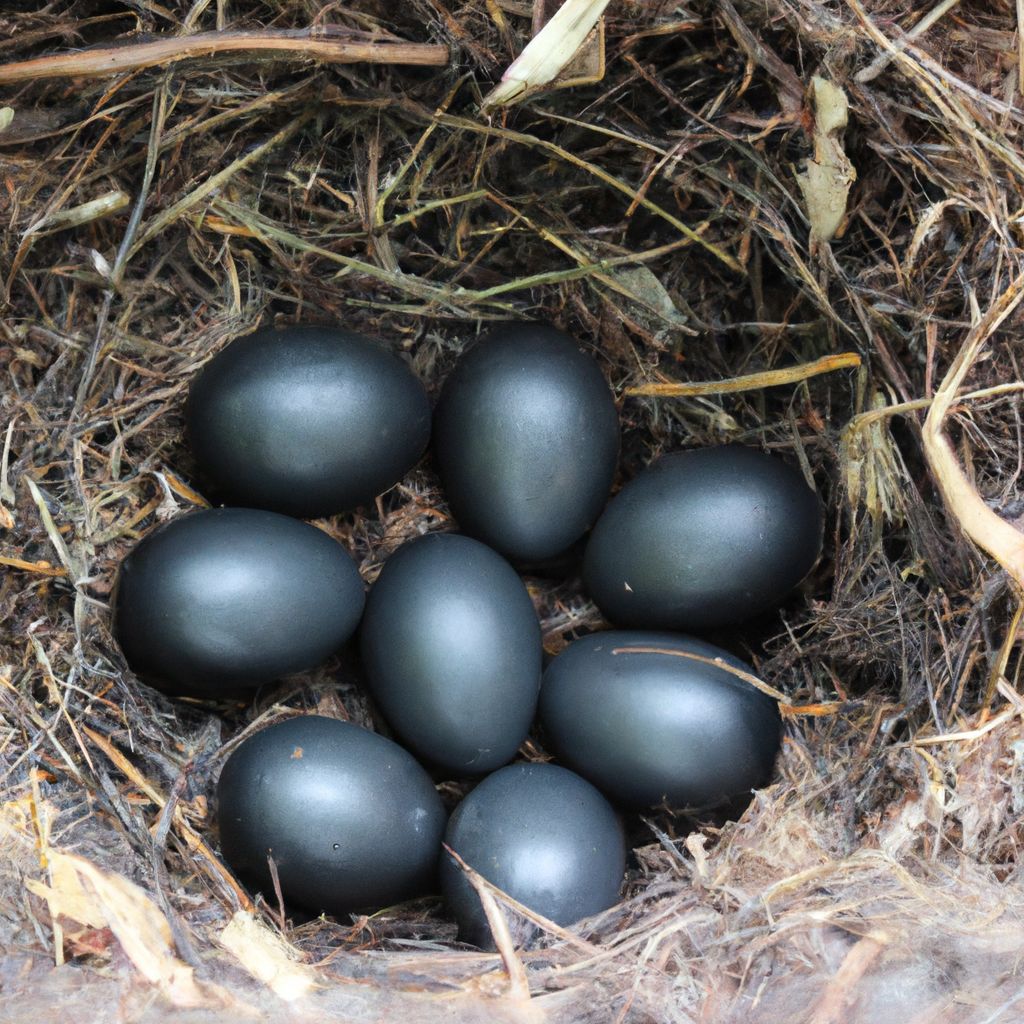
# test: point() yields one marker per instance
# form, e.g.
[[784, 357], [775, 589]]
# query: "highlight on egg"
[[307, 421], [526, 439], [451, 648], [701, 539], [349, 818], [659, 719], [230, 598], [541, 834]]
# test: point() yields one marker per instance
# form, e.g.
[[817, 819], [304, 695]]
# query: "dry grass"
[[151, 216]]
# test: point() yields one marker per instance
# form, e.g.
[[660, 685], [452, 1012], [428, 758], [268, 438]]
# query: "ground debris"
[[151, 216]]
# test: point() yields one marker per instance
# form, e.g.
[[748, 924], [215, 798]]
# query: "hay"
[[153, 215]]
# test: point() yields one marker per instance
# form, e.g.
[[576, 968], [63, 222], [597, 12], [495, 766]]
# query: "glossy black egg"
[[233, 597], [451, 647], [541, 834], [308, 421], [351, 821], [648, 724], [701, 539], [526, 438]]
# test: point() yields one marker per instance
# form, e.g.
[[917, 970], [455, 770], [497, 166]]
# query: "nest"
[[789, 224]]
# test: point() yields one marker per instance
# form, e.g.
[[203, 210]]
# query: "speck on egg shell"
[[526, 438], [308, 421], [543, 835], [228, 598], [702, 539], [350, 819], [649, 720]]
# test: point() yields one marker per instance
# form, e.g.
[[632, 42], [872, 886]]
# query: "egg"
[[526, 439], [229, 598], [658, 718], [451, 649], [307, 421], [701, 539], [541, 834], [349, 818]]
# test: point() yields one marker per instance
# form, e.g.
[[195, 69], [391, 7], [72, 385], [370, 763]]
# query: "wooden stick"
[[299, 44], [518, 979], [747, 677], [993, 534], [882, 61], [751, 381], [1020, 46]]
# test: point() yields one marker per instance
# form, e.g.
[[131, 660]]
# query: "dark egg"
[[349, 818], [233, 597], [701, 539], [526, 438], [308, 421], [541, 834], [451, 647], [648, 723]]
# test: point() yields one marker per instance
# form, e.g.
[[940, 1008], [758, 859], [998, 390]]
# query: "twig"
[[881, 62], [985, 527], [299, 44], [518, 982], [42, 568], [213, 866], [116, 274], [790, 88], [595, 170], [998, 669], [750, 381], [1020, 46], [542, 922], [747, 677], [213, 183], [843, 987], [966, 734], [152, 153]]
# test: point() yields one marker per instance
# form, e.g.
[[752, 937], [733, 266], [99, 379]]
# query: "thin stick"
[[299, 44], [838, 992], [214, 182], [518, 981], [999, 668], [790, 89], [881, 62], [747, 677], [42, 568], [598, 172], [967, 734], [751, 381], [993, 534], [1020, 45], [542, 922], [188, 834]]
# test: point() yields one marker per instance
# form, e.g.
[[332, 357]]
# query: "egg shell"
[[350, 819], [701, 539], [307, 421], [652, 728], [451, 647], [229, 598], [541, 834], [526, 438]]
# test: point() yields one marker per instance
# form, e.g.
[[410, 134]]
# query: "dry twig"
[[298, 44]]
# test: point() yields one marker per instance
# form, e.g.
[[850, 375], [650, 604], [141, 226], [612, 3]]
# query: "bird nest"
[[790, 224]]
